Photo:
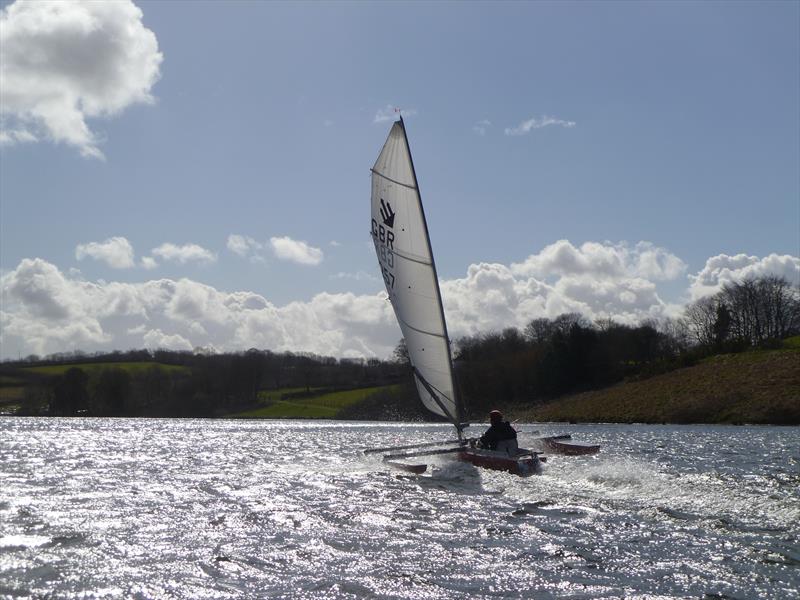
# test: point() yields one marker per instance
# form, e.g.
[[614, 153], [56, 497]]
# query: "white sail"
[[406, 261]]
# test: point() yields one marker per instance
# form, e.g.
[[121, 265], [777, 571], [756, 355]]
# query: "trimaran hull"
[[522, 465], [558, 446]]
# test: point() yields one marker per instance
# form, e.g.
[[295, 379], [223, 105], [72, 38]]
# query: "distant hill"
[[751, 387]]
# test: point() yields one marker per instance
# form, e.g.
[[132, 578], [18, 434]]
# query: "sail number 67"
[[388, 277]]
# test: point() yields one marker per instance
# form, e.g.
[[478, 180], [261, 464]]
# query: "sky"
[[196, 174]]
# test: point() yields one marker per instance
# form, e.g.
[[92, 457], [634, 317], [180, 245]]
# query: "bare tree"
[[701, 316], [761, 309], [539, 331], [605, 324], [676, 332], [781, 303], [400, 354], [753, 311], [564, 322]]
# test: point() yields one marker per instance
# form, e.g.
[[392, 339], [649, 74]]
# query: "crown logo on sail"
[[387, 214]]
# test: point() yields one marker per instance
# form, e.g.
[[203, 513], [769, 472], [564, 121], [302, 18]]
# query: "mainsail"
[[404, 253]]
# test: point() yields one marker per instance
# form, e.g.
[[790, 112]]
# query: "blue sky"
[[660, 134]]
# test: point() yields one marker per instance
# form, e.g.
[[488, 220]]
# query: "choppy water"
[[96, 508]]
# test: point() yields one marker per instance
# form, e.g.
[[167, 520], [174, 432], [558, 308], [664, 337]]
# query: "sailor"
[[500, 436]]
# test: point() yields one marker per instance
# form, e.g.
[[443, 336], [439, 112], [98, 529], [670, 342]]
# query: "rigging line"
[[411, 187], [432, 387]]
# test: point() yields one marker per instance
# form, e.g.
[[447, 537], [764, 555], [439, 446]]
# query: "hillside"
[[751, 387]]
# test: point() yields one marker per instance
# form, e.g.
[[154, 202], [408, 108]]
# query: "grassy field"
[[92, 368], [289, 410], [266, 396], [322, 406], [792, 343], [14, 393], [751, 387]]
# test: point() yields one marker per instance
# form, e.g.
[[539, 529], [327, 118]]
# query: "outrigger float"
[[402, 242]]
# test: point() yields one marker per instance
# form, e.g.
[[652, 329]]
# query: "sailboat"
[[403, 246]]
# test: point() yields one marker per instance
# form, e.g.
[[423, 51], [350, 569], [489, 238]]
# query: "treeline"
[[569, 354], [751, 313], [184, 384], [546, 359]]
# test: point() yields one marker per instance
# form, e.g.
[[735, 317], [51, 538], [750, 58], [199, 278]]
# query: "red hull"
[[570, 448], [416, 469], [523, 466]]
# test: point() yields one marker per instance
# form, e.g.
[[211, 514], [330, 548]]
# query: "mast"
[[456, 395]]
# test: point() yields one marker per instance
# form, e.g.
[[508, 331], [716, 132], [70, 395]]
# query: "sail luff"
[[402, 243], [456, 396]]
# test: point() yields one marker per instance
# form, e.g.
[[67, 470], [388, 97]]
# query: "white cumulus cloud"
[[65, 62], [184, 254], [156, 339], [116, 252], [723, 268], [602, 260], [45, 310], [297, 251], [148, 263], [530, 124], [245, 246]]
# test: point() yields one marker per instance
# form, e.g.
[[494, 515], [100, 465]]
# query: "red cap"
[[495, 416]]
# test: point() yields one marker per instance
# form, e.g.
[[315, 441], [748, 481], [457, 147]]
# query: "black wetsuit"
[[496, 433]]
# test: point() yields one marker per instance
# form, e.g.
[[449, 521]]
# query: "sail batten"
[[400, 233], [430, 333], [379, 174], [399, 254]]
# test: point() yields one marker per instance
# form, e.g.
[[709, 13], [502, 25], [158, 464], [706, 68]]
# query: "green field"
[[92, 368], [322, 406], [277, 395], [289, 410]]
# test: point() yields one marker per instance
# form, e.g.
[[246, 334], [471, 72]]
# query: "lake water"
[[140, 508]]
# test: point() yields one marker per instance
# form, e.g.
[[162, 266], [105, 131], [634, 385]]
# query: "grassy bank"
[[310, 406], [751, 387]]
